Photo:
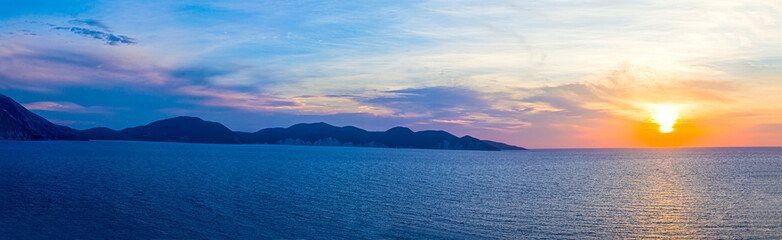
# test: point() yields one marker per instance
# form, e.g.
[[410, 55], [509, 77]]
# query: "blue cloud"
[[91, 23], [440, 101], [108, 38]]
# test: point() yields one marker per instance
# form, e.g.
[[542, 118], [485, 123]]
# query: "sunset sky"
[[539, 74]]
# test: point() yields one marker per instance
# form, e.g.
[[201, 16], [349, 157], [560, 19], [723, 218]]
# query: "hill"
[[327, 135], [178, 129], [18, 123]]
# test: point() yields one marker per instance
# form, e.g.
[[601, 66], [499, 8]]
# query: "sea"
[[148, 190]]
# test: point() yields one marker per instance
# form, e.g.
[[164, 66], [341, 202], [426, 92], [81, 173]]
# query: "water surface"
[[96, 189]]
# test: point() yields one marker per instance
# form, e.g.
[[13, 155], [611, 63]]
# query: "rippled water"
[[166, 190]]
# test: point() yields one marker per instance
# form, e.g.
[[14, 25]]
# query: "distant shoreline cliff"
[[18, 123]]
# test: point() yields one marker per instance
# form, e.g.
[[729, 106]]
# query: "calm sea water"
[[96, 190]]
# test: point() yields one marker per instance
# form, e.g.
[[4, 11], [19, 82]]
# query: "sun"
[[665, 116], [667, 124]]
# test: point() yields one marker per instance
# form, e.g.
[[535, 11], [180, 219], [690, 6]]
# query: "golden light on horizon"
[[664, 125], [665, 116]]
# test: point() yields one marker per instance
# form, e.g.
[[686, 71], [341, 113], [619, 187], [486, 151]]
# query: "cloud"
[[237, 100], [454, 106], [629, 90], [435, 101], [108, 38], [67, 107], [593, 112], [254, 101], [55, 106], [41, 66], [91, 23]]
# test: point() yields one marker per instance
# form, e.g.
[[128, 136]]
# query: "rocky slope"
[[18, 123]]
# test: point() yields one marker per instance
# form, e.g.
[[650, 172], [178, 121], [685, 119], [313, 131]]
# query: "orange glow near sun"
[[665, 116], [666, 127]]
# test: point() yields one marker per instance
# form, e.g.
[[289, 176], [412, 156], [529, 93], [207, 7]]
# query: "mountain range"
[[18, 123]]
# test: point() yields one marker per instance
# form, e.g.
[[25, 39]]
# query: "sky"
[[538, 74]]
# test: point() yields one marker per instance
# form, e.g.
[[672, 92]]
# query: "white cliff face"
[[328, 142], [445, 144], [373, 144]]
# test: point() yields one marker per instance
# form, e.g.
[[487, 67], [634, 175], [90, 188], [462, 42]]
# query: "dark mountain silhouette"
[[18, 123], [304, 133], [101, 133], [178, 129], [328, 135], [503, 146]]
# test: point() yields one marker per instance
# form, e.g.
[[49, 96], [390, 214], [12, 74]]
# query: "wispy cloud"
[[91, 23], [67, 107], [108, 38], [237, 100], [432, 101], [39, 65]]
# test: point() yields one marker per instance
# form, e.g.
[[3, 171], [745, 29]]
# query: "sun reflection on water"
[[662, 207]]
